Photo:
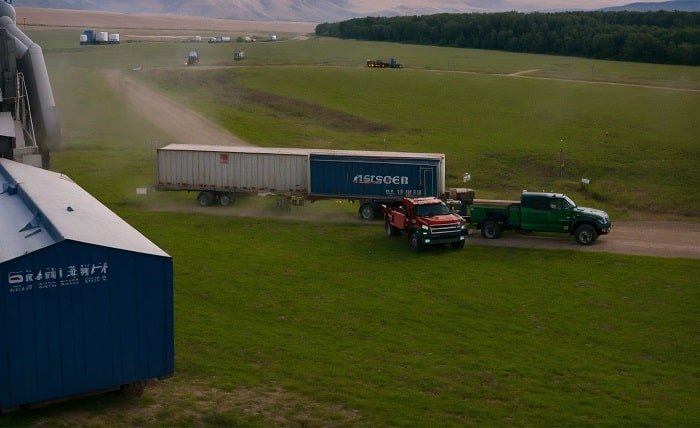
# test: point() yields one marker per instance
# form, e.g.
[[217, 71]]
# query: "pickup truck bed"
[[495, 202]]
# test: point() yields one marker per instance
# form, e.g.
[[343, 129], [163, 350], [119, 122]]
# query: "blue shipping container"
[[375, 177], [78, 318], [86, 301]]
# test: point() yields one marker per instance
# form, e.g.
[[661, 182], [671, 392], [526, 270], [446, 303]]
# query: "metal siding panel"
[[4, 345], [72, 354], [21, 379], [245, 171], [67, 338], [153, 318], [343, 176], [97, 328], [168, 332], [47, 341]]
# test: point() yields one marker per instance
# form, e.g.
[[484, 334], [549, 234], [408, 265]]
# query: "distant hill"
[[680, 5]]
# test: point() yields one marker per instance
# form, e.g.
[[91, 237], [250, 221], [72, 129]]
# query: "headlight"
[[425, 227]]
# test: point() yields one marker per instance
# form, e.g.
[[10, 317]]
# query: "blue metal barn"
[[87, 301]]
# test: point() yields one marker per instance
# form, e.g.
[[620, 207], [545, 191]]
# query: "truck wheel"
[[225, 199], [368, 211], [457, 245], [205, 199], [490, 230], [284, 205], [414, 242], [391, 231], [585, 234]]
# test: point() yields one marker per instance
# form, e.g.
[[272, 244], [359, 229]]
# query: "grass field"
[[639, 146], [307, 323]]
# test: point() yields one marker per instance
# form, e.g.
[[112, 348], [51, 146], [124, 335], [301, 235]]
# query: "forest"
[[653, 37]]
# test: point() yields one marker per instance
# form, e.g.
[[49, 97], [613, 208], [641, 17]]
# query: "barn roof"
[[39, 208]]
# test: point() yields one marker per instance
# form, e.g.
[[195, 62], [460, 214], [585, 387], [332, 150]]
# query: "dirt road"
[[181, 123], [649, 238], [525, 74], [645, 238]]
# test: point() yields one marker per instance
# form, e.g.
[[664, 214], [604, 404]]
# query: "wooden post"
[[561, 163]]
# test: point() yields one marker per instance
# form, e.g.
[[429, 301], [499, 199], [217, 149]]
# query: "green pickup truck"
[[539, 212]]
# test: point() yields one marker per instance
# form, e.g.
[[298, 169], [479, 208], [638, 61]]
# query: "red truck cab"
[[426, 221]]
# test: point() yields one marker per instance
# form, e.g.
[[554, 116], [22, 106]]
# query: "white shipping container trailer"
[[373, 178], [101, 37], [114, 38], [219, 171]]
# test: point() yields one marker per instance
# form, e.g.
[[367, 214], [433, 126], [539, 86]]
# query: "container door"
[[428, 182]]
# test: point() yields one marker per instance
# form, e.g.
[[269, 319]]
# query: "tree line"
[[655, 37]]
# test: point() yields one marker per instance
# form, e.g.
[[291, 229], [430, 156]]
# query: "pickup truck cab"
[[426, 221], [540, 212]]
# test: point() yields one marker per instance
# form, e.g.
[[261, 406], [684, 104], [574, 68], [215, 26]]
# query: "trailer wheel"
[[225, 199], [205, 199], [457, 245], [415, 243], [368, 211], [284, 205], [585, 234], [391, 231], [490, 230], [133, 389]]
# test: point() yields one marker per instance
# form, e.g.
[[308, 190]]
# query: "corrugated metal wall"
[[232, 172], [78, 318], [374, 177]]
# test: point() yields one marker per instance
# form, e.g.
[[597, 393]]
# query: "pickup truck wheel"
[[368, 211], [391, 231], [414, 242], [457, 245], [490, 230], [205, 199], [585, 234]]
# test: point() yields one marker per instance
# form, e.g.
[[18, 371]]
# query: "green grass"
[[443, 338], [460, 337], [298, 322], [639, 147]]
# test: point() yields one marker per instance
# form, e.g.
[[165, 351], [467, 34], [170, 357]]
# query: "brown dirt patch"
[[174, 403], [182, 124], [40, 17], [332, 119]]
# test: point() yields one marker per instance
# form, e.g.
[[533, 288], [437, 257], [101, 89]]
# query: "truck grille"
[[444, 229]]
